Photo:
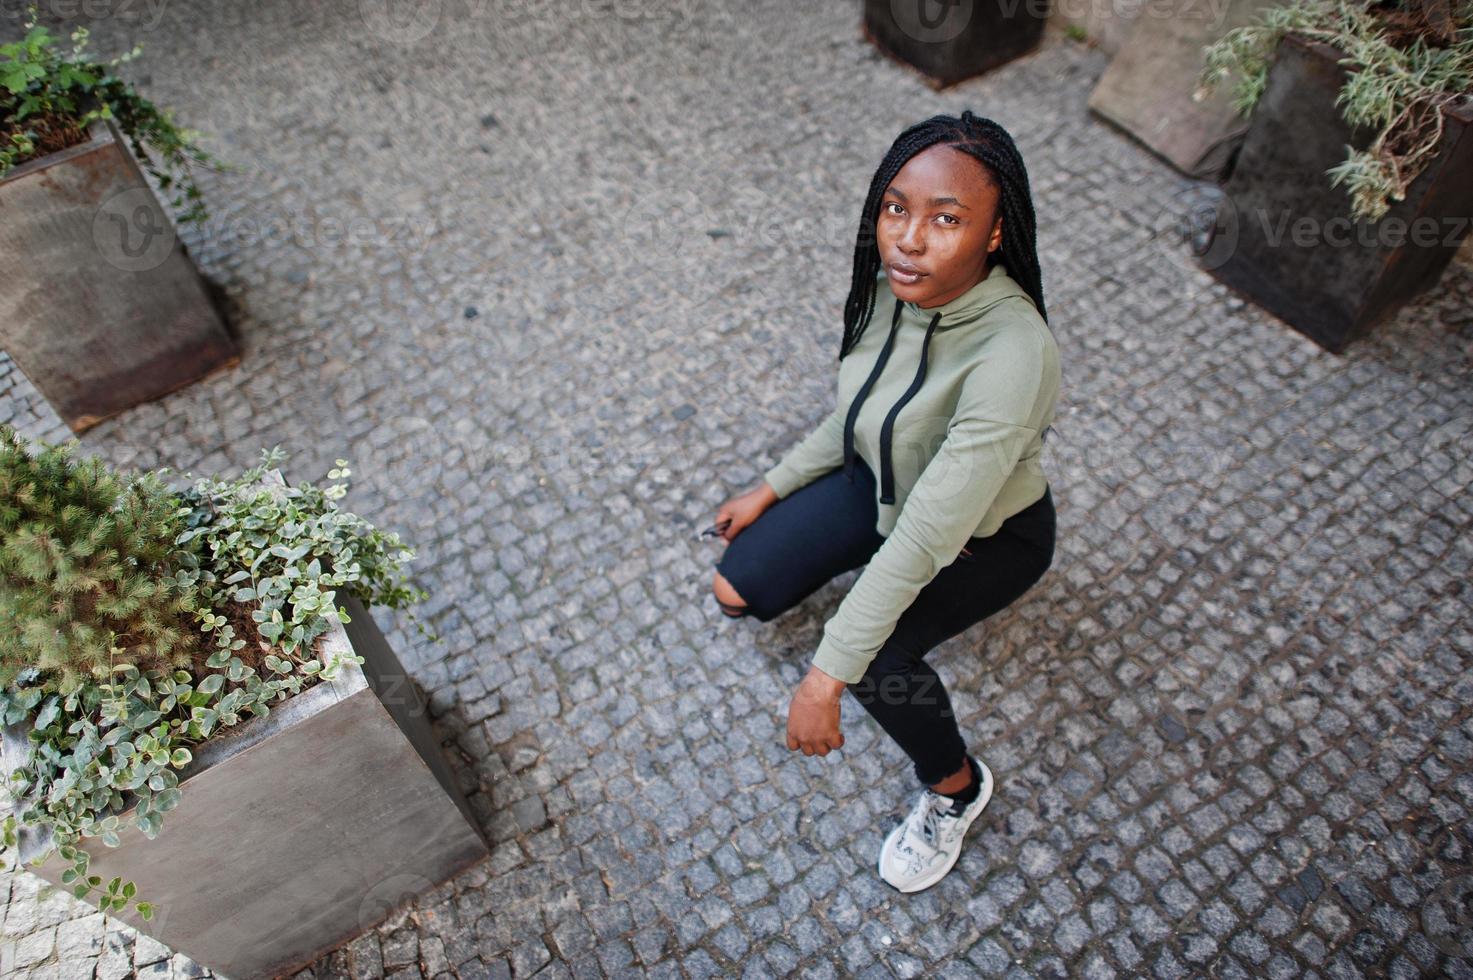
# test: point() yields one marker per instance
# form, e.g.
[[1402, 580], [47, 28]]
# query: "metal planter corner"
[[1283, 236], [297, 831], [100, 306]]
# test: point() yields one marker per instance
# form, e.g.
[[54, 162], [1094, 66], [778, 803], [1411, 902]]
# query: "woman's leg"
[[900, 690], [805, 539]]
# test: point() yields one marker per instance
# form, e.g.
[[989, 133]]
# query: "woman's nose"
[[911, 240]]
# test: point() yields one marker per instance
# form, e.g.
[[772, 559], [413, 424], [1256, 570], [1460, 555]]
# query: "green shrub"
[[88, 569]]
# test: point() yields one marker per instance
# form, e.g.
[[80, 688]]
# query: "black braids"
[[1019, 251], [861, 302], [991, 145]]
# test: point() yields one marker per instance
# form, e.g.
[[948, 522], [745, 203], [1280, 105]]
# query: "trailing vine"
[[50, 96]]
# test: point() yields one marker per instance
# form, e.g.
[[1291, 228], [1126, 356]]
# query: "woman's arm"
[[817, 453]]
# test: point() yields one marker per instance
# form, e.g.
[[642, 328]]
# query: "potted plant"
[[192, 680], [1332, 220], [1148, 88], [99, 304], [951, 41]]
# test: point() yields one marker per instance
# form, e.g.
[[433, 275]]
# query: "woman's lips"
[[905, 275]]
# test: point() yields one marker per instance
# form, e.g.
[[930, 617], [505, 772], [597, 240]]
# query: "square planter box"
[[1283, 237], [1147, 88], [951, 41], [296, 831], [99, 304]]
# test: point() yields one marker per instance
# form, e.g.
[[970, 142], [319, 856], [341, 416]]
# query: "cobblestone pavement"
[[560, 280]]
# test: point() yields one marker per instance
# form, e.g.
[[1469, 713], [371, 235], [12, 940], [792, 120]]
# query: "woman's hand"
[[745, 509], [813, 714]]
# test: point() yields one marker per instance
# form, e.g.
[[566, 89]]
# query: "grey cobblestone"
[[1232, 727]]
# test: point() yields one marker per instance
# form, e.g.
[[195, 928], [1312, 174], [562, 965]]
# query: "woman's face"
[[938, 221]]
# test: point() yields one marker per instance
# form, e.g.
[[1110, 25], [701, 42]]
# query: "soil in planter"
[[254, 653], [51, 133]]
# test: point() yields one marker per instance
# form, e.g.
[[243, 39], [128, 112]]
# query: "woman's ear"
[[995, 242]]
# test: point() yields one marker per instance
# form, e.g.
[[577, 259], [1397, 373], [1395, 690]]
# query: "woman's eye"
[[897, 207], [951, 219]]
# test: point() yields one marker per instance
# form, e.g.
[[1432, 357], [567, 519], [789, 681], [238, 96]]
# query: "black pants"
[[828, 527]]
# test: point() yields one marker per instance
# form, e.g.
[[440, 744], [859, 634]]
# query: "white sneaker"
[[922, 849]]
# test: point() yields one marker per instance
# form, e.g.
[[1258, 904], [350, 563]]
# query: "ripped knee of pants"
[[734, 612]]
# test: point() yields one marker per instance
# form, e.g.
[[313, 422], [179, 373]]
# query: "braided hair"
[[989, 143]]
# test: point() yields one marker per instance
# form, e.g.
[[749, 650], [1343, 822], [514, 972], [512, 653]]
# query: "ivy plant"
[[288, 550], [50, 95]]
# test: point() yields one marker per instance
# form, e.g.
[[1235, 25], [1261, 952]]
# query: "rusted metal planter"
[[297, 831], [949, 42], [100, 306], [1283, 236], [1147, 88]]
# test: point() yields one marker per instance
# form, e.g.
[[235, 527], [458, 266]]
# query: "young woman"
[[926, 471]]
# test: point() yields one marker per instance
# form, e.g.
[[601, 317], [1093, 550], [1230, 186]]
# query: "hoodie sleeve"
[[994, 420], [817, 453]]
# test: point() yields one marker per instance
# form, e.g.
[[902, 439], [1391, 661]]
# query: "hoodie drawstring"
[[864, 392], [887, 477]]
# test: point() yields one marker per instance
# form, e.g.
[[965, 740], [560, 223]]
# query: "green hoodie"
[[978, 381]]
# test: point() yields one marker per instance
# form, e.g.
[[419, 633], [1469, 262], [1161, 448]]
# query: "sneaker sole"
[[921, 884]]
